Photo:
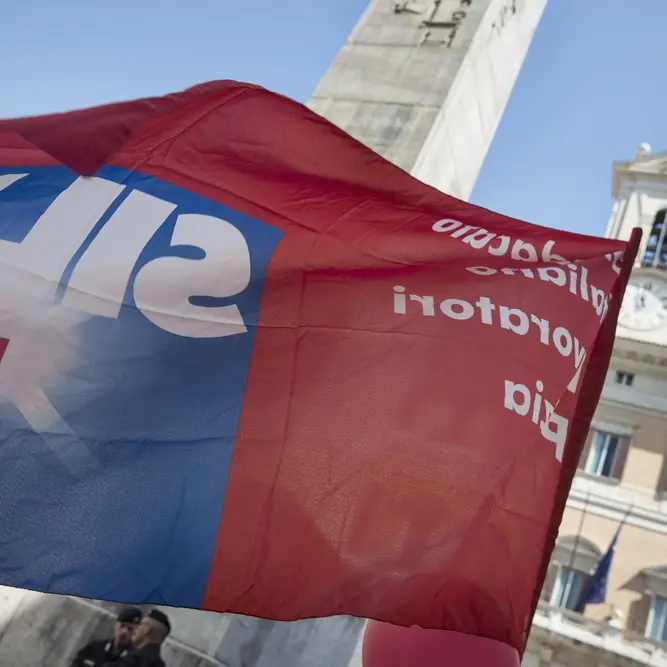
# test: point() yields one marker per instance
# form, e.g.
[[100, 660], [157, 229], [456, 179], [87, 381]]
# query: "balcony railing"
[[600, 635]]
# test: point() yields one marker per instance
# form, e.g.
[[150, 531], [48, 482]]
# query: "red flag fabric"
[[265, 371], [388, 645]]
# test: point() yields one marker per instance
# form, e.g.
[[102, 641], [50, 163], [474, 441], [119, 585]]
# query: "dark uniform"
[[146, 656], [97, 654], [104, 652]]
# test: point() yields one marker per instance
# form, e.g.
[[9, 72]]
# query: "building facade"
[[622, 476]]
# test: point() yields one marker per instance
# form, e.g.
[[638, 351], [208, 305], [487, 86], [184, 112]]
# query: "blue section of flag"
[[23, 202], [595, 589], [156, 412]]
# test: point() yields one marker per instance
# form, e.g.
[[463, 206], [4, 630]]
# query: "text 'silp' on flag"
[[253, 367]]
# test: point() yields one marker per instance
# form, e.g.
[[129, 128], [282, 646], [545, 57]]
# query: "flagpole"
[[626, 515], [577, 537], [594, 592]]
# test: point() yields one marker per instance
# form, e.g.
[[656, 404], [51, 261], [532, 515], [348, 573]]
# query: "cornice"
[[653, 168], [615, 502], [617, 396], [651, 354]]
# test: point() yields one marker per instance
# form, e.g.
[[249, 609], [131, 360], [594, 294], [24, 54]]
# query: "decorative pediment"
[[656, 164], [579, 544], [645, 163], [576, 552], [659, 572], [656, 580]]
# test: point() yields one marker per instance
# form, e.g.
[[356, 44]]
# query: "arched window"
[[572, 562], [655, 254]]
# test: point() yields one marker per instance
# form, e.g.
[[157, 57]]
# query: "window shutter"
[[586, 450], [620, 458], [638, 615]]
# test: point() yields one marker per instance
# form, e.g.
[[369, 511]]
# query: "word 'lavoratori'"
[[486, 312]]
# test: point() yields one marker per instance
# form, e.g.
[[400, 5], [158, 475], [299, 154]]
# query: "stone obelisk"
[[425, 82]]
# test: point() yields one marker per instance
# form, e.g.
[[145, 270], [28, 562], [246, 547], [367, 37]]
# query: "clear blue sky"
[[593, 86]]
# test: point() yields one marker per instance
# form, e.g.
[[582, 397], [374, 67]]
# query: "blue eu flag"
[[595, 590]]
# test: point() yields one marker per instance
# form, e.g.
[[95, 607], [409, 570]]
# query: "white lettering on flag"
[[99, 281], [36, 328], [163, 287], [36, 332]]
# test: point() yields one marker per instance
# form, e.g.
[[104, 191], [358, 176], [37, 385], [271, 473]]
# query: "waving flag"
[[595, 590], [250, 366]]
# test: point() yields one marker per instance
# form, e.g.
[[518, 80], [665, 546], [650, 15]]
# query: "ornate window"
[[655, 254], [604, 454], [571, 564]]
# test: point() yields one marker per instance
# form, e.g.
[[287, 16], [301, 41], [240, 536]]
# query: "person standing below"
[[109, 651], [147, 639]]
